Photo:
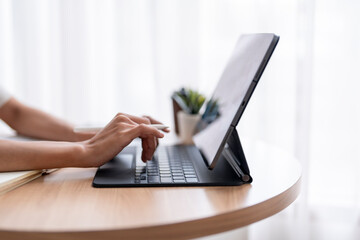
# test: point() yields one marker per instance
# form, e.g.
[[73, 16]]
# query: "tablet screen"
[[245, 66]]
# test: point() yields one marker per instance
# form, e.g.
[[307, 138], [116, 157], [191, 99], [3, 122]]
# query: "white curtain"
[[85, 60]]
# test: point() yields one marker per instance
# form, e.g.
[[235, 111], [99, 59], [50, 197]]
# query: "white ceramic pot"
[[187, 124]]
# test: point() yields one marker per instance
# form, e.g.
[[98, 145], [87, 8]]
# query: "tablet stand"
[[234, 154]]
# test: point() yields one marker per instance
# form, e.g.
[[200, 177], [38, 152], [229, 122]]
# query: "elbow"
[[11, 114]]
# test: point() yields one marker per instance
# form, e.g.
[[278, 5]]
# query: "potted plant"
[[187, 104], [211, 113]]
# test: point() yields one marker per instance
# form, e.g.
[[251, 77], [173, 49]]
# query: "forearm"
[[38, 124], [21, 155], [34, 123], [105, 145]]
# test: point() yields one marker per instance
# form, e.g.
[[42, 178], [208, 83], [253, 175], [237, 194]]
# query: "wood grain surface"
[[64, 205]]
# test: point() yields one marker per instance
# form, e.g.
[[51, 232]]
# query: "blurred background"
[[86, 60]]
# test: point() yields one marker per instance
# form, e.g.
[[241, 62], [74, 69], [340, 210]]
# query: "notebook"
[[11, 180]]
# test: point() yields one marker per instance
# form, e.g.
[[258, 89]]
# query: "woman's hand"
[[153, 121], [116, 135]]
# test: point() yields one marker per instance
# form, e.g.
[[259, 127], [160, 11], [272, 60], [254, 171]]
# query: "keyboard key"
[[153, 174], [177, 174], [143, 179], [164, 168], [176, 167], [179, 180], [153, 179], [152, 167], [175, 161], [178, 177], [166, 180], [169, 165], [186, 162], [188, 167], [190, 176], [165, 175], [191, 180]]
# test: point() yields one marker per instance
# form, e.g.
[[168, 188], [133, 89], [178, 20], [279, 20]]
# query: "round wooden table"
[[63, 205]]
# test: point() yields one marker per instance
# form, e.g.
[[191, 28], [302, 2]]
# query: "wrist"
[[86, 154], [82, 136], [78, 154]]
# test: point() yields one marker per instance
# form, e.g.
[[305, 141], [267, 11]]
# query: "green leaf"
[[192, 99]]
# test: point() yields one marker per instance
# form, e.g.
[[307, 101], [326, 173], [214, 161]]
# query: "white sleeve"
[[4, 96]]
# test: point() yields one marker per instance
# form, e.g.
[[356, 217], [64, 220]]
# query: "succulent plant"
[[211, 111], [189, 100]]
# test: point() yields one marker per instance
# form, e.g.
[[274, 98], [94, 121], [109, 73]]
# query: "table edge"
[[180, 230]]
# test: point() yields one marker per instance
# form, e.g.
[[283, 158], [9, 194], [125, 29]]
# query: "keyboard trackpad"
[[119, 170]]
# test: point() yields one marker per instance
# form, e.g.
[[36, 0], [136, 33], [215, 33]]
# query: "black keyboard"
[[170, 164]]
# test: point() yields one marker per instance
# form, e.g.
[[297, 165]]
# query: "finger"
[[114, 126], [152, 146], [148, 148], [156, 141], [143, 152], [138, 120], [142, 130], [166, 130], [120, 117], [114, 123], [154, 121]]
